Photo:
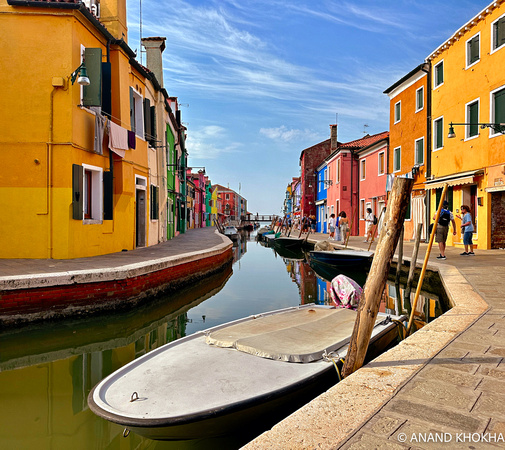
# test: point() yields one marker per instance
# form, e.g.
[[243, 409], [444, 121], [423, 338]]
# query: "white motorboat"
[[216, 381]]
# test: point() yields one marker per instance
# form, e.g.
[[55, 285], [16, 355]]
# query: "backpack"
[[375, 219], [445, 218]]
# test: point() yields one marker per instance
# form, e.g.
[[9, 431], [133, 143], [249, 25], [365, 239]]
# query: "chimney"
[[333, 142], [154, 48]]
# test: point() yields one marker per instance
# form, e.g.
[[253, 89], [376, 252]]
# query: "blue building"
[[321, 194]]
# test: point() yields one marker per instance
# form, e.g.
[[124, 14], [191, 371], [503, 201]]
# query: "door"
[[140, 218]]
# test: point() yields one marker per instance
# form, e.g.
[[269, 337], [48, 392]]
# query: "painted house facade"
[[410, 145]]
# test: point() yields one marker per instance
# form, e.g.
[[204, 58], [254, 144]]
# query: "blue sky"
[[264, 79]]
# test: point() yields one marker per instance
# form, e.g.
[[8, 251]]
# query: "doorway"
[[140, 211]]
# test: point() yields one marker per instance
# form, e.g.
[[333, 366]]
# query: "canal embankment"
[[447, 378], [33, 290]]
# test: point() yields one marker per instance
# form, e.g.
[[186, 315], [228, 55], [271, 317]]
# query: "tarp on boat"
[[296, 336]]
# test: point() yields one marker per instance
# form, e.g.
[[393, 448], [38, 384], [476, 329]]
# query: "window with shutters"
[[92, 194], [438, 74], [363, 169], [136, 113], [498, 110], [382, 163], [154, 202], [472, 119], [438, 133], [473, 50], [498, 34], [419, 151], [398, 111], [397, 159], [420, 99]]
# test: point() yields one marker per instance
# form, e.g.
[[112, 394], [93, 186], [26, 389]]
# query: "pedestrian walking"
[[467, 230], [446, 217], [331, 225], [368, 224], [344, 226]]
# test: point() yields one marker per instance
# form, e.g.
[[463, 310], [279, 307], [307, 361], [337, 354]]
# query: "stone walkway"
[[443, 387]]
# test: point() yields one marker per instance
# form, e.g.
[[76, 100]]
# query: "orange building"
[[408, 142]]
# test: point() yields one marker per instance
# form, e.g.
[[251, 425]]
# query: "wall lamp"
[[496, 127], [415, 170], [81, 74]]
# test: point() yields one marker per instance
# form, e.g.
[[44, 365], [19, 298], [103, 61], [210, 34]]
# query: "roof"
[[420, 67], [366, 141]]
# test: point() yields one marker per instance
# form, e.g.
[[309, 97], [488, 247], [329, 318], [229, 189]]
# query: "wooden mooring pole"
[[376, 281]]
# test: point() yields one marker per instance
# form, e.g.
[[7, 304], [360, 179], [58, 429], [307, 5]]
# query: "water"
[[47, 370]]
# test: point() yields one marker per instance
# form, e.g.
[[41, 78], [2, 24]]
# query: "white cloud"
[[284, 134], [210, 142]]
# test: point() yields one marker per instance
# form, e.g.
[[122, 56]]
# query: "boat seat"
[[302, 335]]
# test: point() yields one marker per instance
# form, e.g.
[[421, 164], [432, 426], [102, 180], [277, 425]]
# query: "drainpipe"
[[427, 69]]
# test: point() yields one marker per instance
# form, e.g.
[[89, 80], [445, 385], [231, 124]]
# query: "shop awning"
[[456, 179]]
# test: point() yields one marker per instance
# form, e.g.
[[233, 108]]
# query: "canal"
[[47, 370]]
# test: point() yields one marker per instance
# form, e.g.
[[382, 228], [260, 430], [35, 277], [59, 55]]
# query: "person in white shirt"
[[368, 224], [331, 225]]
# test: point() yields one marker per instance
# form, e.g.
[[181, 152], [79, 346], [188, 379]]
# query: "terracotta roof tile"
[[365, 141]]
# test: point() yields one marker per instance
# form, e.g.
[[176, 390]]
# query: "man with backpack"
[[442, 230]]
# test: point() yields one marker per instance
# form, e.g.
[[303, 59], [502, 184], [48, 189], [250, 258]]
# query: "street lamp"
[[496, 127], [80, 72]]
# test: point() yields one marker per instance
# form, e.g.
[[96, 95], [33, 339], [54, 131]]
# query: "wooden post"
[[301, 228], [399, 265], [376, 281], [426, 257], [375, 229], [413, 261]]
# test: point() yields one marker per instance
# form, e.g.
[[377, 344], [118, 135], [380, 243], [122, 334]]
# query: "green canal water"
[[47, 370]]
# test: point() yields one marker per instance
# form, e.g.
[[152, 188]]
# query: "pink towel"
[[118, 139]]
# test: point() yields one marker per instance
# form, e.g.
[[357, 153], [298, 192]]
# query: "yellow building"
[[468, 90], [63, 192]]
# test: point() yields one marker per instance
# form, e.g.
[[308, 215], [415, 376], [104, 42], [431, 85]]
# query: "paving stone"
[[491, 385], [365, 441], [442, 374], [436, 414], [384, 425], [492, 404], [500, 351], [496, 426], [497, 373], [440, 393]]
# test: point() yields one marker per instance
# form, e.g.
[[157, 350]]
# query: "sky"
[[261, 80]]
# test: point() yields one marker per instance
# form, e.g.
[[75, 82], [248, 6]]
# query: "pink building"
[[346, 188], [199, 207]]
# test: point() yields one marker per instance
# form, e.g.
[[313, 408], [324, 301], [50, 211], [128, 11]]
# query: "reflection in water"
[[47, 370]]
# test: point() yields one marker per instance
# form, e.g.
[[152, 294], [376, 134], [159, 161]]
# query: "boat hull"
[[344, 258], [188, 389]]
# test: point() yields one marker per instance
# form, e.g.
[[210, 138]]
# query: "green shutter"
[[473, 50], [77, 191], [108, 196], [92, 94], [419, 151], [439, 71], [153, 126], [147, 119], [420, 99], [439, 129], [473, 118], [499, 33], [499, 106], [132, 110], [397, 163]]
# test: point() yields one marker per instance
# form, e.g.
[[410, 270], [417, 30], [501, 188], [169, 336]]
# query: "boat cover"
[[302, 335]]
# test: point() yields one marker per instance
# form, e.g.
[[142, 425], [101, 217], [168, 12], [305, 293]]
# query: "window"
[[497, 108], [325, 178], [419, 151], [472, 118], [408, 213], [420, 99], [338, 171], [320, 181], [398, 111], [438, 133], [439, 74], [382, 163], [155, 214], [362, 208], [498, 33], [472, 50], [227, 196], [93, 194], [136, 113], [363, 169], [397, 159]]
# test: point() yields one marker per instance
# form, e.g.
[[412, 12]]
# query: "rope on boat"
[[335, 360]]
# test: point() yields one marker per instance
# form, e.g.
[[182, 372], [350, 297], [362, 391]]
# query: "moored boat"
[[343, 258], [214, 381]]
